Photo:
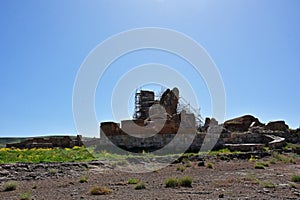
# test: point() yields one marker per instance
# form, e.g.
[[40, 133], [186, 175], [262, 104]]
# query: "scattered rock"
[[242, 124], [201, 164], [277, 126]]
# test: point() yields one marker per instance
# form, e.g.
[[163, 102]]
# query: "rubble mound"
[[242, 124]]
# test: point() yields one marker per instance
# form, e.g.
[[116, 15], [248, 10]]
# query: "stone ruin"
[[156, 122], [154, 125], [48, 142]]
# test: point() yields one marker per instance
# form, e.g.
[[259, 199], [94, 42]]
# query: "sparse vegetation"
[[189, 164], [83, 179], [25, 196], [53, 171], [293, 185], [186, 181], [268, 185], [10, 186], [252, 179], [140, 186], [172, 182], [259, 165], [133, 181], [97, 190], [296, 178], [210, 165], [283, 158], [180, 168]]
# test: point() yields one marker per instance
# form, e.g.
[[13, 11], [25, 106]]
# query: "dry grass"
[[98, 190]]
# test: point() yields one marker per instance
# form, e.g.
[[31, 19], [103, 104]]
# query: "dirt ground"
[[234, 179]]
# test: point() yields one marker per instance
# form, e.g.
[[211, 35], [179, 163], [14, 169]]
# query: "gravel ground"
[[234, 179]]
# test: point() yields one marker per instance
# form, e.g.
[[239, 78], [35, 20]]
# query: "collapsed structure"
[[48, 142], [156, 122]]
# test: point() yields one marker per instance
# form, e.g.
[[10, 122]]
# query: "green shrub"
[[259, 166], [172, 182], [10, 186], [186, 181], [97, 190], [25, 196], [83, 179], [133, 181], [188, 164], [210, 165], [264, 164], [296, 178], [140, 186], [180, 168]]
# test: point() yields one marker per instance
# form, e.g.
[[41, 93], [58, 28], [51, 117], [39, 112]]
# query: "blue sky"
[[255, 44]]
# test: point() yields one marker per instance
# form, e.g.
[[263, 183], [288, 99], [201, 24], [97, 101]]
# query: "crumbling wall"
[[48, 142]]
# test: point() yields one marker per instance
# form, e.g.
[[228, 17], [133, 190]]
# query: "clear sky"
[[255, 44]]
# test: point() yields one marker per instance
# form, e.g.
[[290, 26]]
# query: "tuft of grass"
[[83, 179], [252, 179], [140, 186], [34, 187], [180, 168], [53, 171], [283, 158], [268, 185], [133, 181], [259, 165], [10, 186], [210, 165], [186, 181], [172, 182], [293, 185], [25, 196], [296, 178], [97, 190], [189, 164]]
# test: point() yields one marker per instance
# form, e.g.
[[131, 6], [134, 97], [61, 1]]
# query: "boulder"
[[277, 126], [242, 124]]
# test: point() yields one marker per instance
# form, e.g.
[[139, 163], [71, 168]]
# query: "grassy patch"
[[83, 179], [210, 165], [133, 181], [140, 186], [37, 155], [97, 190], [180, 168], [172, 182], [252, 179], [259, 165], [25, 196], [283, 158], [10, 186], [268, 185], [186, 181], [296, 178]]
